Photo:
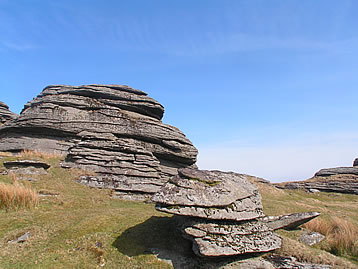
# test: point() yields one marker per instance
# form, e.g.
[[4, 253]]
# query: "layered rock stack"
[[113, 130], [5, 113], [220, 212]]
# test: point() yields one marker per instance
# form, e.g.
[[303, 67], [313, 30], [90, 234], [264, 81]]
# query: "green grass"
[[83, 227]]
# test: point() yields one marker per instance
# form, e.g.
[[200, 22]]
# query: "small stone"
[[311, 238], [22, 238]]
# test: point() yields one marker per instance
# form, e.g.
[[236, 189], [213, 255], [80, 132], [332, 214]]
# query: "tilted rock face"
[[5, 113], [113, 130]]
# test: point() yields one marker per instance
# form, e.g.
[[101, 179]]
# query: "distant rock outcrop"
[[339, 179], [5, 113], [113, 130], [221, 213], [337, 171]]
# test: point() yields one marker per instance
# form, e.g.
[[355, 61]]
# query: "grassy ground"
[[80, 227]]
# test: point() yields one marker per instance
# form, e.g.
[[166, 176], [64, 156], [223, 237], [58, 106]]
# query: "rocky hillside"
[[113, 130]]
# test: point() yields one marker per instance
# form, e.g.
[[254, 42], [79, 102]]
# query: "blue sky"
[[267, 88]]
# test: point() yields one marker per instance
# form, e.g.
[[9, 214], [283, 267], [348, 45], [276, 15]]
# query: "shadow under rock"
[[159, 236]]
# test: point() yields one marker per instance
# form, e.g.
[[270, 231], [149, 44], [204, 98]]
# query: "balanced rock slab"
[[5, 113], [227, 238], [113, 130], [211, 195]]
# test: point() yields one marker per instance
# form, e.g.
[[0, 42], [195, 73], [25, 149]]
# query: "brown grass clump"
[[37, 154], [341, 235], [15, 196], [305, 254]]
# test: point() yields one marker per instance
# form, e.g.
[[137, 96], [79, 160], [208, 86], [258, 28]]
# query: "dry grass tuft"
[[15, 196], [305, 254], [37, 154], [341, 235]]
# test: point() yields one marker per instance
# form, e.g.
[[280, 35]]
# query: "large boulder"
[[6, 114], [114, 130], [217, 211], [210, 195]]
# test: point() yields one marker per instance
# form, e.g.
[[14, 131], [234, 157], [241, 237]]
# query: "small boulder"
[[26, 167], [311, 238], [21, 239]]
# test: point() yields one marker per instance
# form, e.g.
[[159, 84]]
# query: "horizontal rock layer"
[[5, 113], [113, 130], [211, 195], [343, 183], [337, 171], [226, 238]]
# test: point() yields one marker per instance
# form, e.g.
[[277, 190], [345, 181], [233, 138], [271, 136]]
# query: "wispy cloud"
[[8, 45]]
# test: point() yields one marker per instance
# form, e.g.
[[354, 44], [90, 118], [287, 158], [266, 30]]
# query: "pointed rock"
[[290, 221]]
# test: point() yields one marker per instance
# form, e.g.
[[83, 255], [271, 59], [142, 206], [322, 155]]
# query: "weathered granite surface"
[[114, 130], [226, 238], [5, 113], [211, 195]]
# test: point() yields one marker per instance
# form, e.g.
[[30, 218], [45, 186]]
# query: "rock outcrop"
[[221, 213], [218, 212], [113, 130], [339, 179], [340, 183], [6, 114], [337, 171]]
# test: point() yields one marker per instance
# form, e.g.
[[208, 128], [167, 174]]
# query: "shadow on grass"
[[160, 236], [156, 233]]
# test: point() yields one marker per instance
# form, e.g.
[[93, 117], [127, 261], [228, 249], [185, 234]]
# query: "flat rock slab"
[[290, 221], [26, 163], [226, 238], [210, 194], [337, 171], [292, 263], [27, 167]]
